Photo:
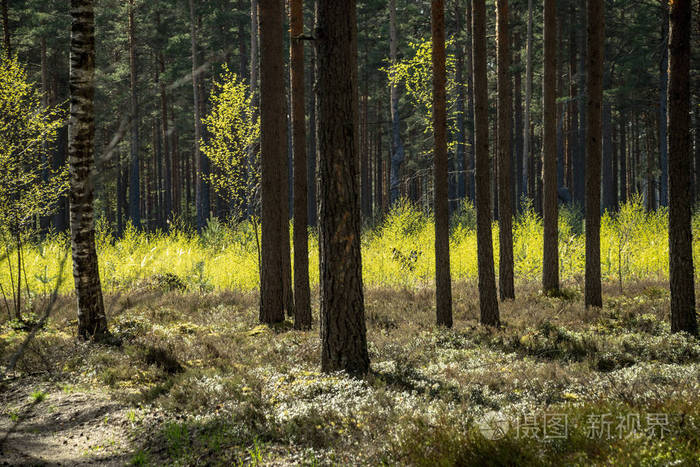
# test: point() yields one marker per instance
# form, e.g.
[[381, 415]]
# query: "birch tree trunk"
[[92, 322]]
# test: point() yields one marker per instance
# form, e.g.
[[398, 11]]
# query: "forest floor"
[[196, 380]]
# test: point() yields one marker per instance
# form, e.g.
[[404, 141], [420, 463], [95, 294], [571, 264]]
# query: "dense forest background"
[[149, 172]]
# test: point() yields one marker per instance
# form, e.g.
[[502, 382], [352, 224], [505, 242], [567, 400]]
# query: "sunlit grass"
[[399, 252]]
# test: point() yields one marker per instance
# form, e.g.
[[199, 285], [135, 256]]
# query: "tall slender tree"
[[581, 156], [201, 169], [528, 101], [443, 284], [550, 260], [460, 153], [92, 322], [165, 137], [273, 149], [663, 107], [683, 314], [134, 175], [471, 164], [506, 281], [302, 294], [312, 140], [573, 148], [343, 331], [488, 301], [397, 149], [518, 126], [594, 147]]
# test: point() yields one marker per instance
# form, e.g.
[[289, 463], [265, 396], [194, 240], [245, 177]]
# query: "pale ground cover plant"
[[244, 393]]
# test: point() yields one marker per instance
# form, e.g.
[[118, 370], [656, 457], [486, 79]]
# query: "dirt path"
[[44, 424]]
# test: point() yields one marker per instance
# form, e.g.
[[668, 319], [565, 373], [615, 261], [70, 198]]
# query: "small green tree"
[[234, 128], [415, 73], [234, 147], [29, 187]]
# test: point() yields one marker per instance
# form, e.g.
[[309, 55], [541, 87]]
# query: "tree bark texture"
[[302, 294], [550, 259], [683, 315], [506, 280], [273, 149], [594, 86], [92, 322], [488, 301], [443, 284], [343, 331]]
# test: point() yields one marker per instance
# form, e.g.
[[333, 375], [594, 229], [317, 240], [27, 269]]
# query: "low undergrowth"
[[397, 253], [205, 384]]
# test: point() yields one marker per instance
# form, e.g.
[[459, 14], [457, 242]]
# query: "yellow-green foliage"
[[399, 252], [234, 129], [28, 185], [415, 73]]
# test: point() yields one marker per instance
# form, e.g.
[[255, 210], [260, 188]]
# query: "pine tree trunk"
[[550, 259], [615, 179], [397, 149], [581, 159], [284, 217], [343, 332], [697, 148], [134, 176], [518, 129], [44, 221], [92, 322], [151, 180], [494, 164], [460, 157], [378, 159], [573, 149], [683, 313], [607, 156], [624, 183], [470, 151], [505, 209], [302, 294], [312, 182], [528, 99], [120, 190], [201, 210], [167, 156], [365, 175], [443, 284], [651, 170], [488, 301], [273, 145], [663, 110], [177, 169], [594, 86], [252, 208]]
